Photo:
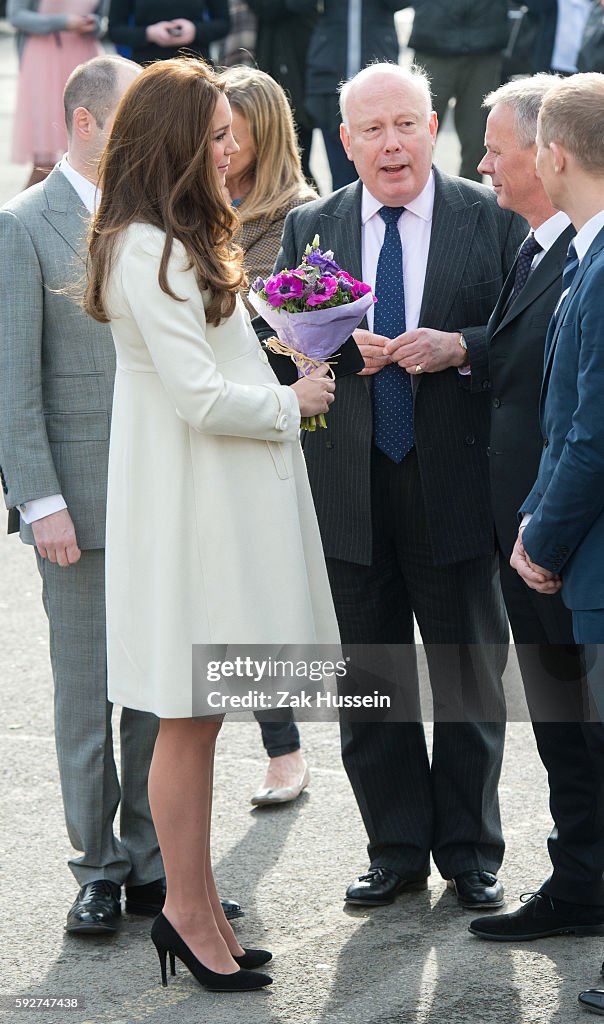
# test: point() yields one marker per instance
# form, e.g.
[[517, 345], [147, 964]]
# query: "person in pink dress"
[[54, 36]]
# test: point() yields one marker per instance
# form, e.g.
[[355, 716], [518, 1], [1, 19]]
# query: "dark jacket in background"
[[543, 16], [282, 39], [459, 27], [327, 54], [128, 20]]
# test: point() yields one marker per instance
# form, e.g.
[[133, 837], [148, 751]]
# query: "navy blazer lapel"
[[66, 212], [453, 225], [544, 275], [596, 246]]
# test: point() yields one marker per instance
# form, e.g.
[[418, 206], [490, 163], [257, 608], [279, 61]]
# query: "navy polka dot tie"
[[392, 392]]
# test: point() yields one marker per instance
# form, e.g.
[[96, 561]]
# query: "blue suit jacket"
[[566, 533]]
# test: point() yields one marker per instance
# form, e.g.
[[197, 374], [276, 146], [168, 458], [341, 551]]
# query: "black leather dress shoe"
[[540, 916], [477, 890], [96, 910], [149, 899], [381, 886], [231, 908], [593, 1000]]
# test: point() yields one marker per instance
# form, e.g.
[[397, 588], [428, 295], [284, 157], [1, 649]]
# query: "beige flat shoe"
[[284, 794]]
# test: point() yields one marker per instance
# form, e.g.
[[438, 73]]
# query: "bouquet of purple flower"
[[313, 310]]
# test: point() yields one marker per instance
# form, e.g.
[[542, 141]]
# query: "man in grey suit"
[[57, 368], [400, 481]]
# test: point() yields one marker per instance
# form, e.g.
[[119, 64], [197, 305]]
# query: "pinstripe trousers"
[[411, 807]]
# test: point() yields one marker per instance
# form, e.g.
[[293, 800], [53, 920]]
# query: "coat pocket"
[[282, 463]]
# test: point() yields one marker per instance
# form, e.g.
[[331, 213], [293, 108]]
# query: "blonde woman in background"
[[265, 181]]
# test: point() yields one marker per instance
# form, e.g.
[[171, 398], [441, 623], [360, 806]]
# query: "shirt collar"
[[88, 192], [551, 229], [588, 232], [422, 206]]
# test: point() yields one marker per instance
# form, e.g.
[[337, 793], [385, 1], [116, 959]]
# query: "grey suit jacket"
[[472, 247], [56, 364]]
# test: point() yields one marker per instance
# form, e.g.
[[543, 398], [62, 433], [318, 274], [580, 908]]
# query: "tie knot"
[[390, 214], [530, 247]]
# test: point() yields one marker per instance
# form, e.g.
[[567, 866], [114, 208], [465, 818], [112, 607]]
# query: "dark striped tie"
[[392, 393]]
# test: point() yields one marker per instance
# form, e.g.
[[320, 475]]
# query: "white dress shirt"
[[572, 16], [88, 192], [414, 226]]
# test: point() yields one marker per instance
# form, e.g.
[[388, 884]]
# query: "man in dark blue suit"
[[561, 539]]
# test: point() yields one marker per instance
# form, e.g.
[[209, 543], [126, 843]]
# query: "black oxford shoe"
[[96, 910], [540, 916], [148, 900], [477, 890], [593, 1000], [381, 886]]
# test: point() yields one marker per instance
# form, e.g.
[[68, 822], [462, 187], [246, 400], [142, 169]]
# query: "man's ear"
[[345, 140], [83, 124], [559, 156]]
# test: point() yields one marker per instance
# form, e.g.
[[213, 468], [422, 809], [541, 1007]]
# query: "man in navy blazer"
[[561, 539]]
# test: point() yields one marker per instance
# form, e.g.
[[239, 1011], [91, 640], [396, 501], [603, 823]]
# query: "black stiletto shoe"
[[253, 957], [167, 941]]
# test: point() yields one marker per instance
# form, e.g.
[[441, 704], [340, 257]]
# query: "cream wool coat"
[[211, 531]]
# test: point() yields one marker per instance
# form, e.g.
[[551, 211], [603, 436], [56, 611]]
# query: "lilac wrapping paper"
[[319, 333]]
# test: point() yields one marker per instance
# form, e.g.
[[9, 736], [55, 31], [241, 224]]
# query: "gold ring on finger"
[[419, 368]]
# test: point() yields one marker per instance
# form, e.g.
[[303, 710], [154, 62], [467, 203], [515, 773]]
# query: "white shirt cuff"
[[38, 508], [526, 519]]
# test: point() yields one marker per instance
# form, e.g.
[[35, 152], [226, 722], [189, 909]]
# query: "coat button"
[[545, 442], [488, 450], [486, 385], [329, 444], [469, 439], [282, 422], [496, 403]]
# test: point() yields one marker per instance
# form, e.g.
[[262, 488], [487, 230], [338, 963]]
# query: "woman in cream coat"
[[211, 531]]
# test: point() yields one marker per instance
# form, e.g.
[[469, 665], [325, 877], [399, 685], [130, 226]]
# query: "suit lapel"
[[453, 226], [66, 212], [593, 251], [540, 280], [343, 228]]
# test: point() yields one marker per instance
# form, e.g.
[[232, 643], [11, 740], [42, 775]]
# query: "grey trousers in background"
[[468, 78], [74, 600]]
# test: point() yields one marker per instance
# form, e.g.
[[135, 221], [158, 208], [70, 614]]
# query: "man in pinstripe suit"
[[412, 534]]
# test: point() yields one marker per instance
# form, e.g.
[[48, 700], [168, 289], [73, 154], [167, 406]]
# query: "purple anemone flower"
[[324, 289], [323, 260], [282, 287]]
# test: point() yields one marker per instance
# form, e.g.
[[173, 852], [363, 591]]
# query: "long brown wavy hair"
[[158, 169]]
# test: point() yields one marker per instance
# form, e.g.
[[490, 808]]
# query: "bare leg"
[[223, 925], [180, 795]]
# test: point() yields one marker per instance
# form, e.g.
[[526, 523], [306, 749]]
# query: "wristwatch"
[[464, 345]]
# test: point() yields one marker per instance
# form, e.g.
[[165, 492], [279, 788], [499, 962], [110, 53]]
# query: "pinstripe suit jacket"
[[57, 365], [472, 247]]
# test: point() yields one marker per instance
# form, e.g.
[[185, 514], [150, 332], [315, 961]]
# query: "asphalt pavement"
[[411, 963]]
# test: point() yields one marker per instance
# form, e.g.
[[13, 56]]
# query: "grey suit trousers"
[[74, 600]]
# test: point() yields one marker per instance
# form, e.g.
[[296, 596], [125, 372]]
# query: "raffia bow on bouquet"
[[313, 310]]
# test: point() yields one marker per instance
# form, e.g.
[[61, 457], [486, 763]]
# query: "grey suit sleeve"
[[24, 17], [25, 456]]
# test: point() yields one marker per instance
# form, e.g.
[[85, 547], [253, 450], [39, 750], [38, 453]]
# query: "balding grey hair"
[[524, 96], [94, 85], [415, 77]]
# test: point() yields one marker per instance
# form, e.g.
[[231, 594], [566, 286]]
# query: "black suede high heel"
[[253, 957], [166, 940]]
